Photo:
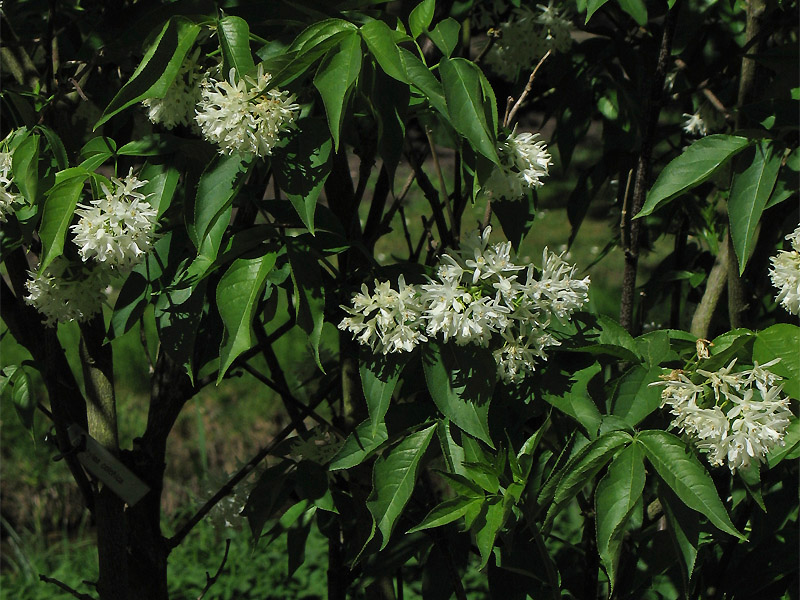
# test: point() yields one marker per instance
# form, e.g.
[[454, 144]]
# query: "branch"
[[443, 197], [528, 86], [651, 112], [212, 580], [701, 321], [65, 587]]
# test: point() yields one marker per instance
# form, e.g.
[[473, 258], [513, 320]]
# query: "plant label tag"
[[106, 467]]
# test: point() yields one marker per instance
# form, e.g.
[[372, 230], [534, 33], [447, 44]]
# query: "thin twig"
[[443, 197], [406, 232], [623, 216], [528, 86], [226, 489], [212, 580], [65, 587], [290, 399], [397, 204]]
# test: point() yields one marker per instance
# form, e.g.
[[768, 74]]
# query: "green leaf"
[[636, 9], [393, 479], [25, 166], [447, 512], [420, 18], [359, 445], [215, 191], [237, 293], [445, 35], [583, 467], [592, 6], [577, 403], [158, 68], [615, 498], [379, 375], [684, 528], [613, 340], [335, 77], [178, 313], [234, 40], [381, 43], [478, 466], [654, 347], [697, 163], [152, 145], [781, 341], [486, 526], [162, 182], [59, 208], [302, 168], [268, 496], [464, 93], [461, 381], [686, 476], [309, 293], [753, 181], [452, 453], [634, 398], [56, 147], [15, 384], [421, 78], [516, 216]]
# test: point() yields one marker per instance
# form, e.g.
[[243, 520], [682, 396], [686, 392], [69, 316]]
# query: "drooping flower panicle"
[[478, 296], [526, 37], [116, 230], [62, 296], [525, 162], [732, 416], [239, 116], [785, 274], [7, 196]]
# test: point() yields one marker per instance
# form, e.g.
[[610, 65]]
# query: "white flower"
[[526, 37], [387, 320], [695, 124], [239, 116], [177, 107], [732, 416], [7, 197], [785, 274], [117, 229], [62, 295], [525, 161], [475, 299]]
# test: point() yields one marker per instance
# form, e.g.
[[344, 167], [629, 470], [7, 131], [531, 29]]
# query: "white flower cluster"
[[477, 297], [117, 229], [113, 234], [785, 274], [62, 296], [7, 196], [734, 416], [526, 37], [239, 116], [525, 161], [177, 107]]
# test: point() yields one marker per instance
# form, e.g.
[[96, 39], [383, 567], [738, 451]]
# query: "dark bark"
[[642, 177]]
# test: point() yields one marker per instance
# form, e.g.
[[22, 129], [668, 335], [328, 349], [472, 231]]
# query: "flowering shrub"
[[293, 167]]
